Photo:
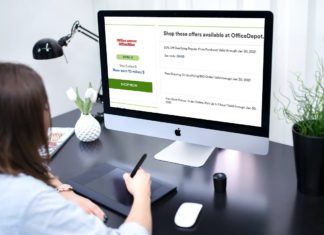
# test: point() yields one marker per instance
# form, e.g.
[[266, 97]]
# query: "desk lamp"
[[48, 48]]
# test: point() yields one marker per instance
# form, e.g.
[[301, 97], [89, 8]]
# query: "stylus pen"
[[138, 165]]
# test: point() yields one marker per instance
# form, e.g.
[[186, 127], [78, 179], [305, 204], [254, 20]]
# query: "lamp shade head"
[[47, 48]]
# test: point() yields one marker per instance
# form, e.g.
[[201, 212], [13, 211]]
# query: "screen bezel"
[[262, 131]]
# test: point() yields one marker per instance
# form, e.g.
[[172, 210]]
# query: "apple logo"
[[177, 132]]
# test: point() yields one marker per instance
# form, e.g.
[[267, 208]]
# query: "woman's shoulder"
[[22, 183], [17, 193], [20, 190]]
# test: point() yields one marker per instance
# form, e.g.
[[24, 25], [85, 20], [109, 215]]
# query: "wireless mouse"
[[187, 214]]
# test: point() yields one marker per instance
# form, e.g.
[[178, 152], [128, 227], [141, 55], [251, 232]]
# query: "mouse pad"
[[105, 184]]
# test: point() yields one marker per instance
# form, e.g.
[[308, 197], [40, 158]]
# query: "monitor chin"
[[194, 145]]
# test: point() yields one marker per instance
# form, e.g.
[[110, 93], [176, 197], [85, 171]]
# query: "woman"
[[32, 200]]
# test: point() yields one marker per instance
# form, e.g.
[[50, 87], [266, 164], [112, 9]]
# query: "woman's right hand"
[[140, 187], [140, 184]]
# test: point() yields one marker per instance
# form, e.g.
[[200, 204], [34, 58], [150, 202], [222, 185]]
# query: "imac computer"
[[201, 78]]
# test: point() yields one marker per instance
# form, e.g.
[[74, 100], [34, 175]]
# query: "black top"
[[261, 196]]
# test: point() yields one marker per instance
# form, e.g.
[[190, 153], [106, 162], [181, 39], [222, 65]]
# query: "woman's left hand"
[[84, 203]]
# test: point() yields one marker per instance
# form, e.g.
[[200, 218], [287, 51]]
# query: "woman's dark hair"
[[23, 131]]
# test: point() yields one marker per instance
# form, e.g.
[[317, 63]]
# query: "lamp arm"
[[76, 27], [87, 33]]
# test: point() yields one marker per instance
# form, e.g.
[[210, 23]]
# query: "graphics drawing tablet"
[[105, 184]]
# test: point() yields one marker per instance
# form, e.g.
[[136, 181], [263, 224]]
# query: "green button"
[[130, 85], [127, 57]]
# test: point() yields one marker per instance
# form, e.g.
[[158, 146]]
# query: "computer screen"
[[201, 78]]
